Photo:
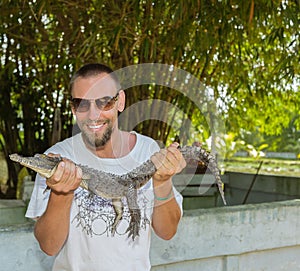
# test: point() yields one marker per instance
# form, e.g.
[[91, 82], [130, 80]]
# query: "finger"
[[78, 173], [67, 178], [173, 150], [175, 145], [176, 159], [168, 157], [57, 176], [69, 172], [53, 154], [173, 157], [158, 158]]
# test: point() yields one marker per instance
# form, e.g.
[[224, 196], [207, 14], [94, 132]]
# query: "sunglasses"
[[104, 104]]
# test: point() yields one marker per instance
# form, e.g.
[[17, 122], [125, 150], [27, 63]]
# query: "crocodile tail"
[[213, 167], [200, 154]]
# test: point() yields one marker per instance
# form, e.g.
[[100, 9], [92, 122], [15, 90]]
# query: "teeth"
[[95, 126]]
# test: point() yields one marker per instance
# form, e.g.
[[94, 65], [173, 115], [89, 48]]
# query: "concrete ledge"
[[12, 212], [223, 238], [252, 237], [19, 251]]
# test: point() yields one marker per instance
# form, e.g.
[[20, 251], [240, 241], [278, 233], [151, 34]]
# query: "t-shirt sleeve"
[[179, 199], [40, 195], [39, 198]]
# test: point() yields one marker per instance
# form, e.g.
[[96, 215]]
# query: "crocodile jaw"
[[36, 163]]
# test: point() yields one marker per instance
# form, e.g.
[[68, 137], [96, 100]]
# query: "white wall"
[[254, 237], [258, 237]]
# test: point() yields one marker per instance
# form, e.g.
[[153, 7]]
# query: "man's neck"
[[119, 145]]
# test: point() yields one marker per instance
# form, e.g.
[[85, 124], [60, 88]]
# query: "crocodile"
[[115, 187]]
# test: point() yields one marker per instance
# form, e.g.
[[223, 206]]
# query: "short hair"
[[93, 69]]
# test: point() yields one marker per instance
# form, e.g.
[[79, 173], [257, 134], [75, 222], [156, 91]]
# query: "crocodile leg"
[[118, 207], [135, 213]]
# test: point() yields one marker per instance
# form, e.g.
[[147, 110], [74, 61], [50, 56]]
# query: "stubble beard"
[[95, 141]]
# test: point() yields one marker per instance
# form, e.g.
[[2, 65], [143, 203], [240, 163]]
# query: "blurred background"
[[245, 53]]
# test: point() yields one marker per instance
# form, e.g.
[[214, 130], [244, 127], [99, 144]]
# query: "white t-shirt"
[[90, 245]]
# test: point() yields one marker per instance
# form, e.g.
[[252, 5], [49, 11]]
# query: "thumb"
[[175, 145]]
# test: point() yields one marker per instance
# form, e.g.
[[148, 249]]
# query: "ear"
[[121, 101], [73, 111], [72, 108]]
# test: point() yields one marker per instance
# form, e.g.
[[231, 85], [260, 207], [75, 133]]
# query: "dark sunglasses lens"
[[81, 105], [105, 104]]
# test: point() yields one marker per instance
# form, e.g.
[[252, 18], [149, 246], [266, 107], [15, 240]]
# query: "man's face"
[[97, 124]]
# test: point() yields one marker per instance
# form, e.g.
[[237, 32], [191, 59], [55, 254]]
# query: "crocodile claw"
[[134, 225]]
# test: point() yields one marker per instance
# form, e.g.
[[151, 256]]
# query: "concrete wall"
[[258, 237], [250, 237]]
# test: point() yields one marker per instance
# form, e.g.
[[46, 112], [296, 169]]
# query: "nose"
[[94, 112]]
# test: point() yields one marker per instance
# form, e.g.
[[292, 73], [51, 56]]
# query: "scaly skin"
[[115, 187]]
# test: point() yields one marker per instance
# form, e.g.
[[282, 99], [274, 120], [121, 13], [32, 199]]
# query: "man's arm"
[[166, 213], [52, 228]]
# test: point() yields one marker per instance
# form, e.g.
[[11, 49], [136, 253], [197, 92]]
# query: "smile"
[[96, 126]]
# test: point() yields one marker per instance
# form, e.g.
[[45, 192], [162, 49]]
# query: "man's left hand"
[[168, 162]]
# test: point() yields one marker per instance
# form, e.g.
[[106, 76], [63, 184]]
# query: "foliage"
[[256, 152], [246, 52], [230, 145]]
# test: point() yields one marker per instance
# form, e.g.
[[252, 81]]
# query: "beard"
[[97, 141]]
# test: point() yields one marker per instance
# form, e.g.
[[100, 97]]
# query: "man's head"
[[93, 69], [96, 100]]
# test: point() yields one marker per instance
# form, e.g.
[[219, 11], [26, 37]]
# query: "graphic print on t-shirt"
[[96, 215]]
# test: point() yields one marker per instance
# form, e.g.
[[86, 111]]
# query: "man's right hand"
[[67, 177]]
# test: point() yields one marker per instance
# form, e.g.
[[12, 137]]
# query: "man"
[[77, 226]]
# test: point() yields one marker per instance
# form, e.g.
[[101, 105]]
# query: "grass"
[[269, 166]]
